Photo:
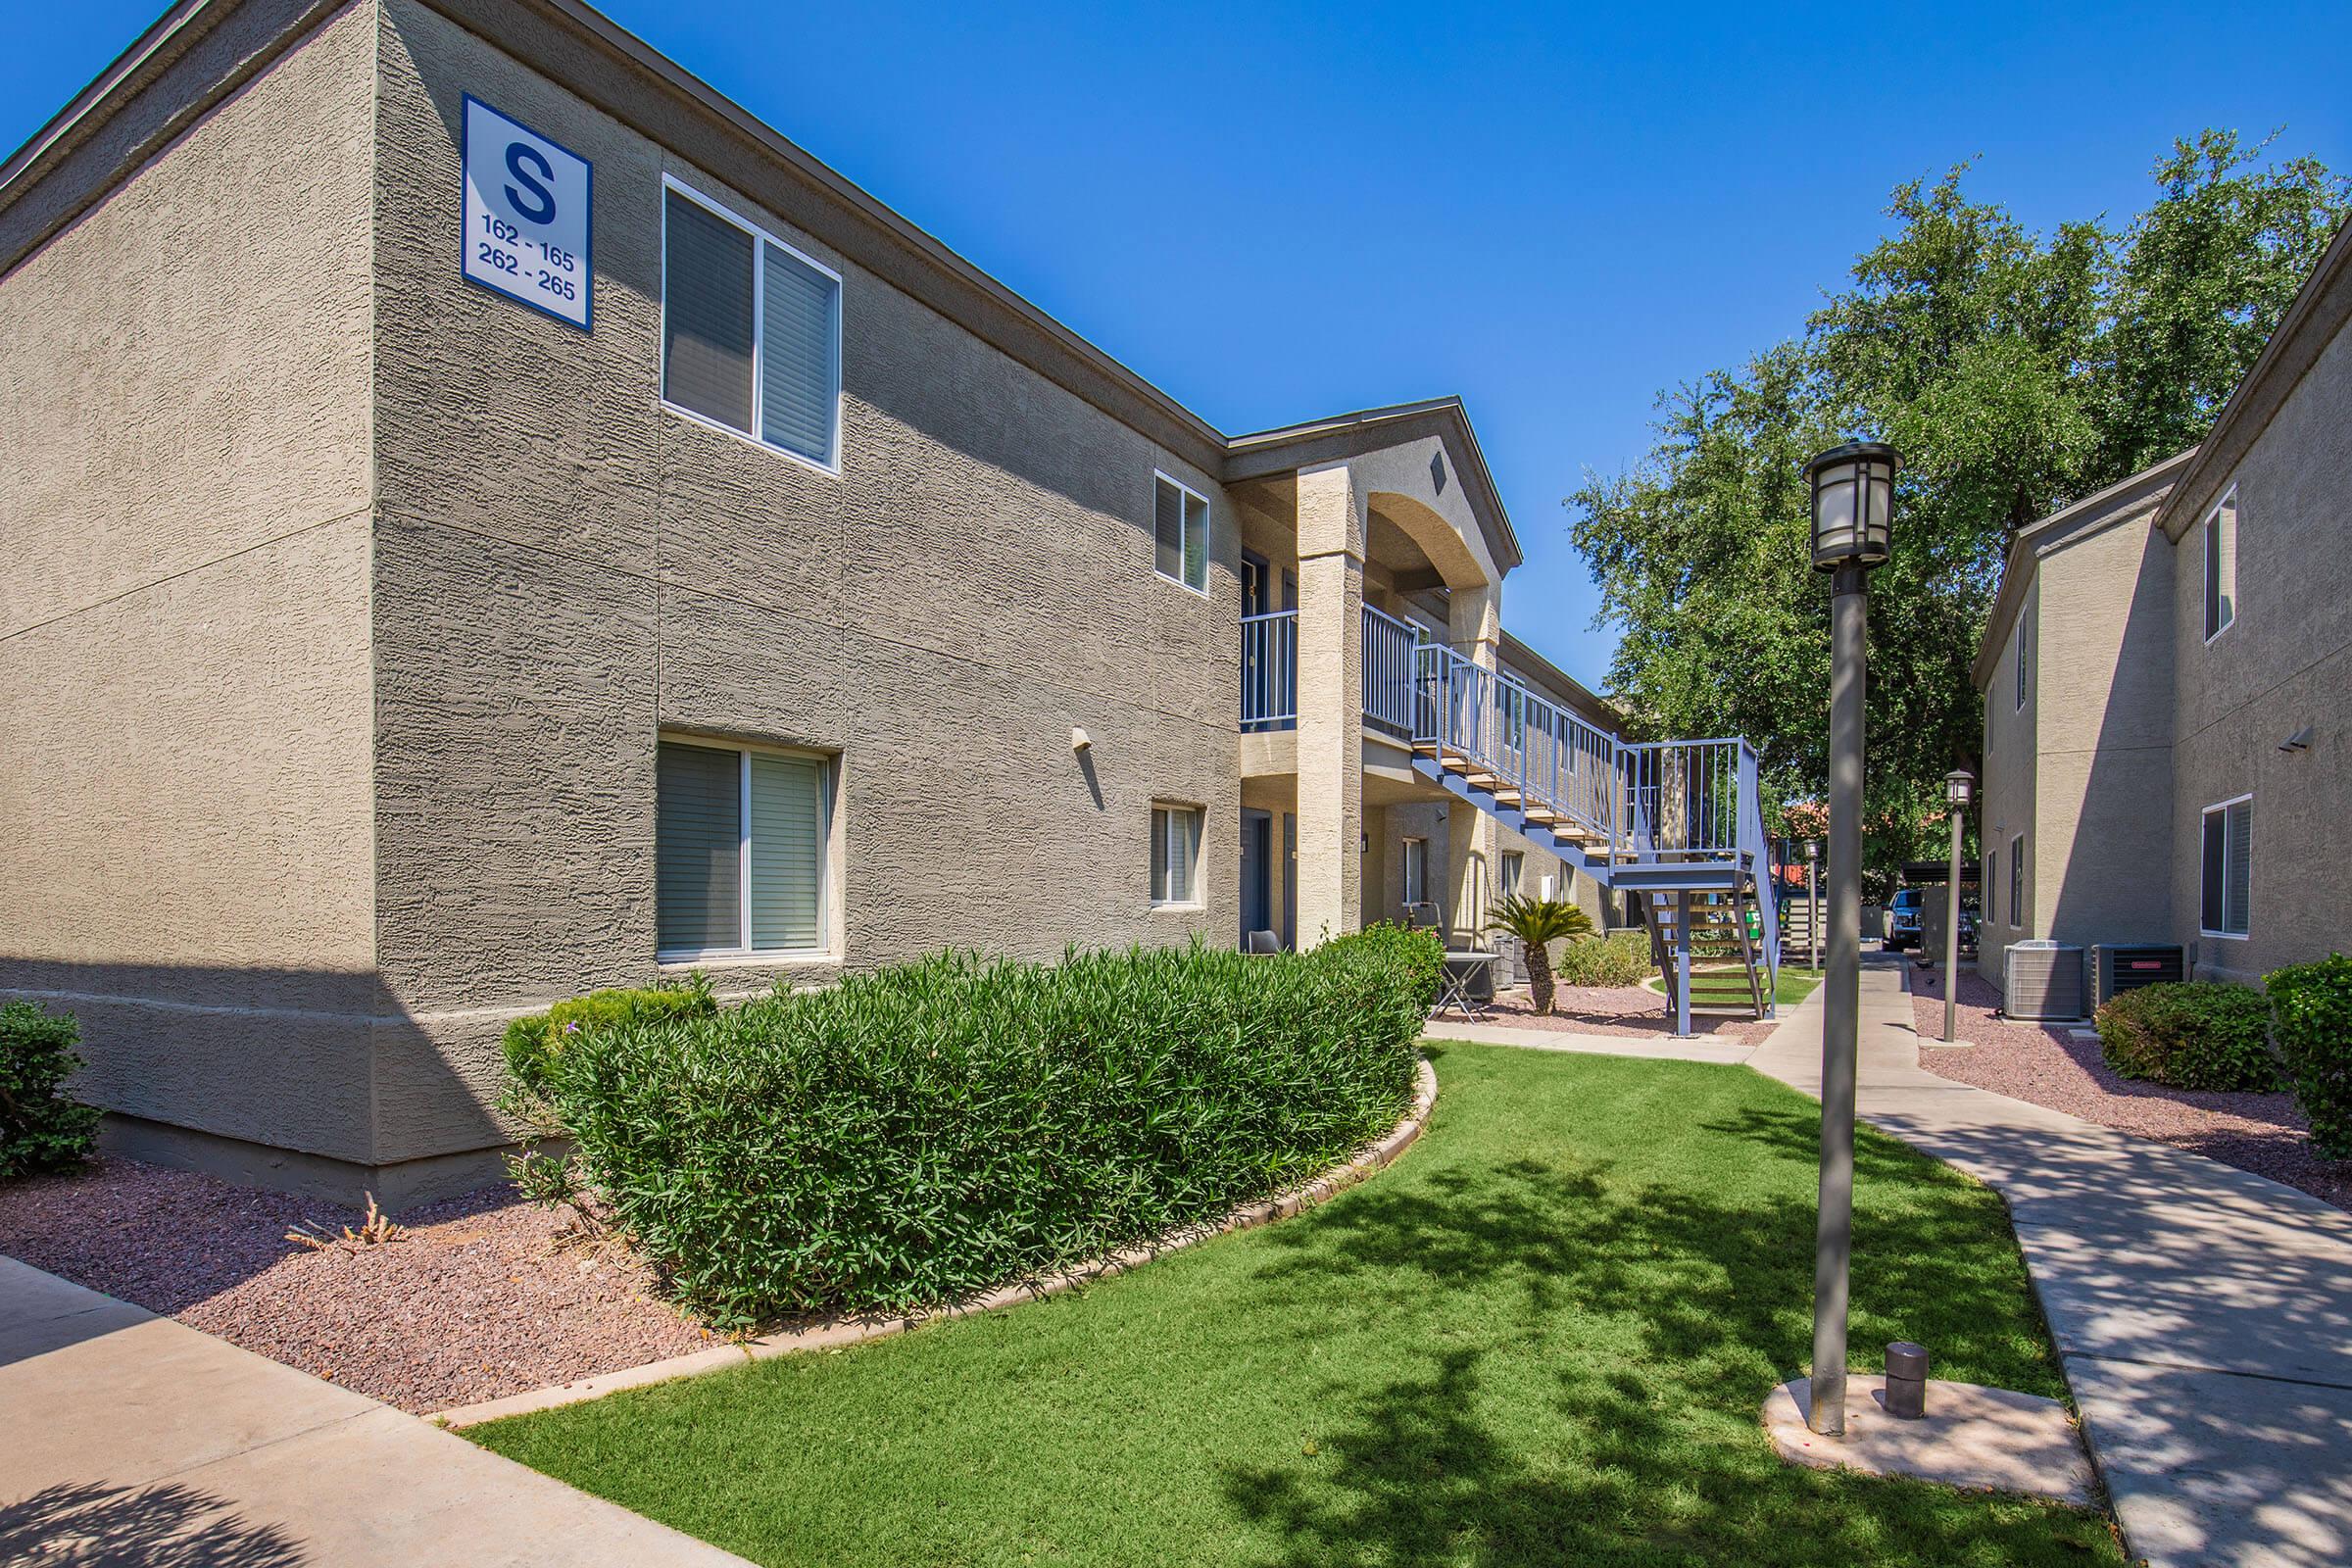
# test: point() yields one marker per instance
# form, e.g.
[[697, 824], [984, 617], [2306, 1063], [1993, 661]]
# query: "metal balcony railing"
[[1270, 671]]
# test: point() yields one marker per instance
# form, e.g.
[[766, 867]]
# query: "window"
[[1175, 855], [2017, 881], [739, 850], [1991, 885], [1416, 870], [2023, 676], [2220, 565], [751, 330], [1514, 872], [1180, 533], [2228, 882]]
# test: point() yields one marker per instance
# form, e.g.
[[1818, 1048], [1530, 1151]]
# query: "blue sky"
[[1276, 212]]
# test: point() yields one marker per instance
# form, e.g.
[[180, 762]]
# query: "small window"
[[1991, 886], [2017, 881], [1514, 872], [2221, 566], [2227, 883], [2024, 676], [751, 331], [739, 850], [1180, 533], [1175, 855], [1416, 870]]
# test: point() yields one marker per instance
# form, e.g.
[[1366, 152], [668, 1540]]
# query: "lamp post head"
[[1853, 490], [1959, 787], [1812, 849]]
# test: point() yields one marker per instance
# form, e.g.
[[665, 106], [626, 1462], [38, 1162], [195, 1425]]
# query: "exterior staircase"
[[1677, 823]]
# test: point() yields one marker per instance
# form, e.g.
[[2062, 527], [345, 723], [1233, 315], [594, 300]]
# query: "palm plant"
[[1536, 923]]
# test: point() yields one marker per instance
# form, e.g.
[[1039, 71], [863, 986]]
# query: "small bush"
[[2192, 1035], [40, 1129], [920, 1134], [1620, 958], [533, 1044], [2311, 1014]]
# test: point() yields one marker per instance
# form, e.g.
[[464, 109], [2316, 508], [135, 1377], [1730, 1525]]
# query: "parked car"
[[1902, 918]]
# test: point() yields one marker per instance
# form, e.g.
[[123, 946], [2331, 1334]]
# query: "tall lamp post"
[[1958, 786], [1853, 509]]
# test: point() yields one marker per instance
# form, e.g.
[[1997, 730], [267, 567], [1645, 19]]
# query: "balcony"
[[1270, 672]]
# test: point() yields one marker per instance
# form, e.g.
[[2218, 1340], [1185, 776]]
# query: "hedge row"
[[921, 1133]]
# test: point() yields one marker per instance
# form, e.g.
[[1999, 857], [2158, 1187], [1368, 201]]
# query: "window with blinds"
[[751, 330], [739, 850], [2017, 882], [1416, 871], [2221, 566], [1180, 533], [1176, 854], [2227, 883]]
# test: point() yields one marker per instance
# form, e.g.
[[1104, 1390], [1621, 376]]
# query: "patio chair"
[[1262, 942]]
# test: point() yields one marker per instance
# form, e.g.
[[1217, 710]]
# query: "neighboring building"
[[390, 645], [2167, 685]]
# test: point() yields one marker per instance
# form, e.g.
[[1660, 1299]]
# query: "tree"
[[1536, 923], [2017, 372]]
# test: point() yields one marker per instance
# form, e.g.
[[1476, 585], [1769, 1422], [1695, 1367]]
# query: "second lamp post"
[[1853, 514], [1958, 785]]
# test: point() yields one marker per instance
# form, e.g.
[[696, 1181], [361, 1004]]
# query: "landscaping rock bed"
[[1630, 1010], [2262, 1133], [477, 1300]]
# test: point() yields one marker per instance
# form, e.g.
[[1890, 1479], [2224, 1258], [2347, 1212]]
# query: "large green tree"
[[2017, 371]]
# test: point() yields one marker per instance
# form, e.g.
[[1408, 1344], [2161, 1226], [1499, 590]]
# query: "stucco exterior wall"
[[2005, 802], [2284, 664], [2103, 684], [184, 668], [566, 571]]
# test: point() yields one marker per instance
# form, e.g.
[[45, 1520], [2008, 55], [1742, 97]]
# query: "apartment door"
[[1290, 881], [1257, 872]]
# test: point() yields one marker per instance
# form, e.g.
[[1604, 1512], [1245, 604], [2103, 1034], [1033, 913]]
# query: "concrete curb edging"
[[858, 1330]]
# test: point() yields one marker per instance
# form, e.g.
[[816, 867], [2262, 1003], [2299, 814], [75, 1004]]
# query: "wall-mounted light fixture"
[[1080, 740], [2299, 741]]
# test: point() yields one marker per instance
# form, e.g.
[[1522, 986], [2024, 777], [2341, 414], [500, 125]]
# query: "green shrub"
[[2311, 1014], [40, 1129], [2192, 1035], [1620, 958], [533, 1044], [917, 1135]]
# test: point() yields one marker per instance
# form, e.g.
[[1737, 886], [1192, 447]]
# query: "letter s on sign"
[[541, 209]]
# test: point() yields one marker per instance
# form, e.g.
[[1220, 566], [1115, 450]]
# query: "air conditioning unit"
[[2042, 982], [2117, 966]]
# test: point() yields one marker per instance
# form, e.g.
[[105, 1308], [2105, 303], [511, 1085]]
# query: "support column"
[[1473, 839], [1330, 712]]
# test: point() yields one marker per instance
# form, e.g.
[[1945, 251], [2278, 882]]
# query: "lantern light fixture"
[[1853, 490]]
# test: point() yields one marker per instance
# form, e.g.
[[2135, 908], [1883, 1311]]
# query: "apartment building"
[[2167, 681], [486, 518]]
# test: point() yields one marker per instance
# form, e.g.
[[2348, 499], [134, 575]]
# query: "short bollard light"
[[1906, 1379]]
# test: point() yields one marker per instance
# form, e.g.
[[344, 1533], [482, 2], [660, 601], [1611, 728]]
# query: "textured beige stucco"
[[2284, 664], [185, 673]]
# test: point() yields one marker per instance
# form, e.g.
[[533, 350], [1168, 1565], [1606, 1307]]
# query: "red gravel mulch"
[[1630, 1010], [479, 1299], [2262, 1133]]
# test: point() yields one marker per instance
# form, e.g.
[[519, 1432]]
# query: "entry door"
[[1257, 867], [1290, 881]]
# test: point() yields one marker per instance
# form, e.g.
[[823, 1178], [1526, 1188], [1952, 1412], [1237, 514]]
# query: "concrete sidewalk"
[[1659, 1046], [135, 1439], [2204, 1314]]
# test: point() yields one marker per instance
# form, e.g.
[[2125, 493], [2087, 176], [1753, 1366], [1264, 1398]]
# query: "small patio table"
[[1462, 970]]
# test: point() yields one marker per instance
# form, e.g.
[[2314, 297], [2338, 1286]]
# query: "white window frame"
[[1208, 529], [759, 235], [2203, 930], [744, 751], [1512, 871], [1199, 815], [1412, 894], [2228, 499], [2017, 881]]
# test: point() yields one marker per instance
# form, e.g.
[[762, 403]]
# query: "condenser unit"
[[2044, 982], [2117, 966]]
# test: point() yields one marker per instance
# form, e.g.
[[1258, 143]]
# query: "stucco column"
[[1331, 715], [1473, 863]]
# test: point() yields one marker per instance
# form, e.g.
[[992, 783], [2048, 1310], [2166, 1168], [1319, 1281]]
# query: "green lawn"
[[1728, 987], [1542, 1338]]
